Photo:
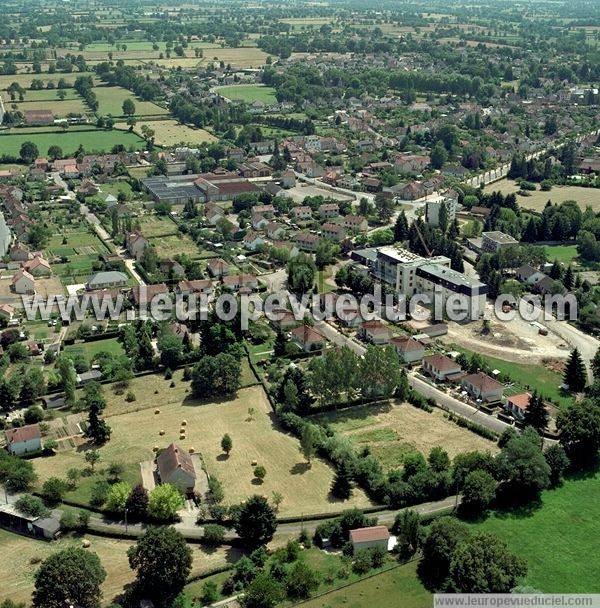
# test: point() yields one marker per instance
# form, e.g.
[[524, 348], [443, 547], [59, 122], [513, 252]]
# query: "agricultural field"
[[46, 95], [248, 93], [18, 572], [242, 57], [558, 538], [110, 100], [394, 431], [92, 140], [559, 194], [171, 133], [256, 438], [25, 79], [59, 108]]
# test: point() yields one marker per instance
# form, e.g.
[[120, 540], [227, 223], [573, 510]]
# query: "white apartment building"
[[434, 206]]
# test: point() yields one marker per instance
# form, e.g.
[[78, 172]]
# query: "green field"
[[397, 587], [565, 254], [91, 140], [248, 93], [559, 540], [110, 100], [90, 349]]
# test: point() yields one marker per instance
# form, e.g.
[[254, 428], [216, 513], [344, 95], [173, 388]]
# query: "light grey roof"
[[107, 277]]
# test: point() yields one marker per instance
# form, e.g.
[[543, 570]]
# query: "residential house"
[[7, 312], [218, 268], [172, 269], [369, 538], [275, 230], [329, 210], [529, 274], [23, 282], [37, 267], [253, 241], [288, 179], [482, 387], [303, 212], [517, 405], [136, 244], [335, 232], [144, 294], [408, 349], [308, 338], [307, 241], [283, 319], [355, 223], [19, 253], [238, 281], [176, 467], [24, 439], [440, 367], [412, 191], [200, 286], [411, 163], [494, 241], [107, 279], [374, 332]]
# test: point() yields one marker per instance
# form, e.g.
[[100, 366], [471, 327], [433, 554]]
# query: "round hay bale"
[[254, 463], [157, 411], [85, 543], [161, 432], [192, 451], [183, 422], [155, 448], [182, 430], [181, 437]]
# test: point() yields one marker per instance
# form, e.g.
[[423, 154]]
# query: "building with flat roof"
[[492, 242]]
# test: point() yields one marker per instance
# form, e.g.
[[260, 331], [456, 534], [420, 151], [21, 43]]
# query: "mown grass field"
[[171, 133], [256, 438], [538, 199], [59, 108], [25, 79], [558, 540], [110, 100], [17, 573], [90, 349], [92, 140], [565, 254], [46, 95], [392, 432], [248, 93]]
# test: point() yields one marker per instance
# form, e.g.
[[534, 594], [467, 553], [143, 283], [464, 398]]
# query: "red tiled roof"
[[441, 362], [362, 535], [307, 335], [23, 433], [482, 381], [173, 458], [407, 344], [520, 401]]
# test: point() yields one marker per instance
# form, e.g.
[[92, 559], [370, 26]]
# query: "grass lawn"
[[529, 377], [565, 254], [90, 349], [558, 540], [392, 432], [248, 93], [92, 140], [17, 572], [46, 95], [538, 199], [171, 132], [110, 100], [396, 587], [135, 431]]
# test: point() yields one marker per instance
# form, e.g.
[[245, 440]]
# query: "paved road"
[[194, 533], [426, 389]]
